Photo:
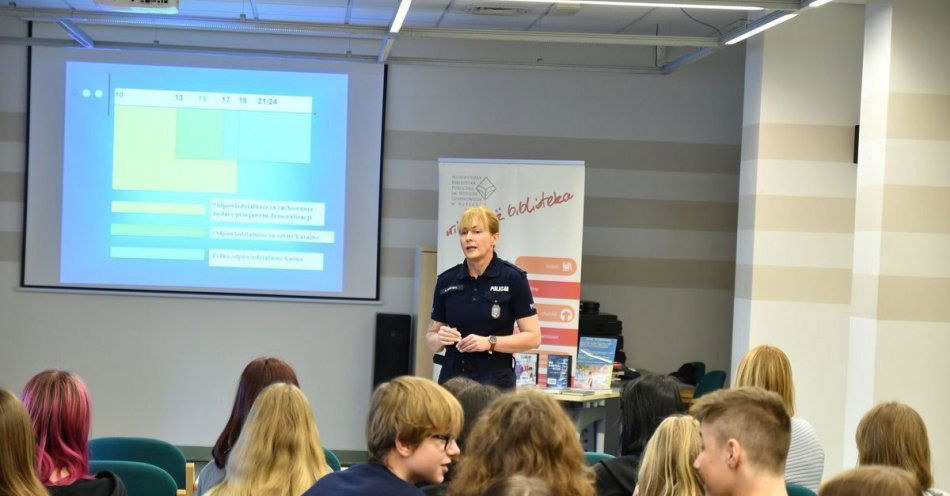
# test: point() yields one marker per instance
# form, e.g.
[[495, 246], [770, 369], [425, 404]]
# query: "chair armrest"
[[189, 479]]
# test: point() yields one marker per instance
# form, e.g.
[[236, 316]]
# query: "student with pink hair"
[[58, 403]]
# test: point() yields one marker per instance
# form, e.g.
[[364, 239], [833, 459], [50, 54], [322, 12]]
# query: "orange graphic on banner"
[[554, 313], [547, 265], [558, 337], [555, 289]]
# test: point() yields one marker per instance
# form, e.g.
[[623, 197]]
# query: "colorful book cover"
[[595, 362], [526, 369], [559, 371]]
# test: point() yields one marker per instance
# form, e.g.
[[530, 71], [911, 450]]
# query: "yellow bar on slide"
[[130, 207]]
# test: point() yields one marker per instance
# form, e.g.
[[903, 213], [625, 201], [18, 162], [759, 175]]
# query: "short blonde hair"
[[755, 417], [481, 213], [872, 479], [768, 367], [278, 451], [666, 468], [894, 434], [526, 433], [409, 409]]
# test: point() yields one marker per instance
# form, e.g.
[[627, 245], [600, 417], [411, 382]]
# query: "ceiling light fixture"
[[649, 4], [818, 3], [400, 16], [756, 28]]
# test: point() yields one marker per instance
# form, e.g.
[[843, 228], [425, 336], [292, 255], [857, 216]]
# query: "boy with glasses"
[[410, 436]]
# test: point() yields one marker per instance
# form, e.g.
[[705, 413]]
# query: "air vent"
[[140, 6], [565, 9], [495, 11]]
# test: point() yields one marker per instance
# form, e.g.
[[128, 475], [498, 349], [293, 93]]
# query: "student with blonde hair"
[[872, 480], [526, 433], [410, 436], [894, 434], [17, 450], [768, 367], [667, 465], [518, 485], [278, 451]]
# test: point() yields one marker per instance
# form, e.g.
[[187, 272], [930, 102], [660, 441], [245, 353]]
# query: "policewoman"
[[476, 305]]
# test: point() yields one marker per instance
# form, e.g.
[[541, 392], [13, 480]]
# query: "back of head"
[[17, 449], [894, 434], [871, 480], [768, 367], [257, 375], [458, 384], [474, 401], [756, 418], [666, 468], [518, 485], [58, 403], [278, 451], [409, 409], [525, 433], [644, 404]]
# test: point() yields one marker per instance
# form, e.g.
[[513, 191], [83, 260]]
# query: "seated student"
[[644, 403], [526, 433], [257, 375], [518, 485], [410, 437], [768, 367], [872, 480], [458, 384], [17, 450], [894, 434], [278, 452], [745, 436], [667, 467], [58, 403]]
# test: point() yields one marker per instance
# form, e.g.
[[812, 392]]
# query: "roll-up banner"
[[540, 204]]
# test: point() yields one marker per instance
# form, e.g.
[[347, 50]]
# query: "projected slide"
[[203, 178]]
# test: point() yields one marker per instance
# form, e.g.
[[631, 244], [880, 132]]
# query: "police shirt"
[[486, 306]]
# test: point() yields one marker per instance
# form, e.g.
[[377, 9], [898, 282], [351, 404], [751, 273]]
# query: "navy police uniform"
[[486, 306]]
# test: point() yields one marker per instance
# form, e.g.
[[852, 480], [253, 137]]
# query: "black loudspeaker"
[[393, 347]]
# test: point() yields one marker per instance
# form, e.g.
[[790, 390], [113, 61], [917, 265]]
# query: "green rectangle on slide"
[[156, 253], [152, 230], [132, 207], [199, 134]]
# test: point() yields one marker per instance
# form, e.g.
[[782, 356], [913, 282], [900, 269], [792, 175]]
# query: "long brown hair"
[[524, 433], [17, 450], [257, 375], [872, 479], [894, 434]]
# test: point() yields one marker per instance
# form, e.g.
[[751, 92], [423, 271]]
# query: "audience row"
[[469, 439]]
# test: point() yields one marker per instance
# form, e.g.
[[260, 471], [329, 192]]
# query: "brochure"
[[526, 369], [559, 371], [595, 362]]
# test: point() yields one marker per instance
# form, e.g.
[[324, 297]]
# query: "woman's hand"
[[473, 343], [448, 336]]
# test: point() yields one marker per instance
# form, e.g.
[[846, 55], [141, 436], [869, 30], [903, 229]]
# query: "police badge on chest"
[[495, 311]]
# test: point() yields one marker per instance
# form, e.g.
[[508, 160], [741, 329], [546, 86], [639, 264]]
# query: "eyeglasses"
[[445, 438]]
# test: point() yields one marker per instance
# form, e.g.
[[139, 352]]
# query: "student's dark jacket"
[[105, 484], [618, 476]]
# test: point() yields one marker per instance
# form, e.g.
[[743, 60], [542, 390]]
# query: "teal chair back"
[[141, 449], [593, 458], [796, 490], [332, 460], [710, 382], [139, 479]]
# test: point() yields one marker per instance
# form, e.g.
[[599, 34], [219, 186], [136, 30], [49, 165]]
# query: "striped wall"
[[796, 206], [902, 225], [659, 243]]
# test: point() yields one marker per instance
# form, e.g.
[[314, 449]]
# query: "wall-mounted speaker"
[[393, 347]]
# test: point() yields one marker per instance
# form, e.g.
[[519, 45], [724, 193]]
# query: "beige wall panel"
[[666, 327], [743, 284], [915, 254], [807, 214], [801, 284], [12, 126], [802, 178], [911, 362], [12, 156], [918, 162], [800, 249], [869, 208], [658, 272], [914, 298], [871, 160], [809, 333], [920, 28], [919, 116], [11, 245], [410, 204], [866, 258], [11, 216], [656, 243], [806, 142], [923, 209], [411, 174], [655, 214], [750, 141], [661, 185], [413, 233], [11, 186], [873, 117], [865, 295]]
